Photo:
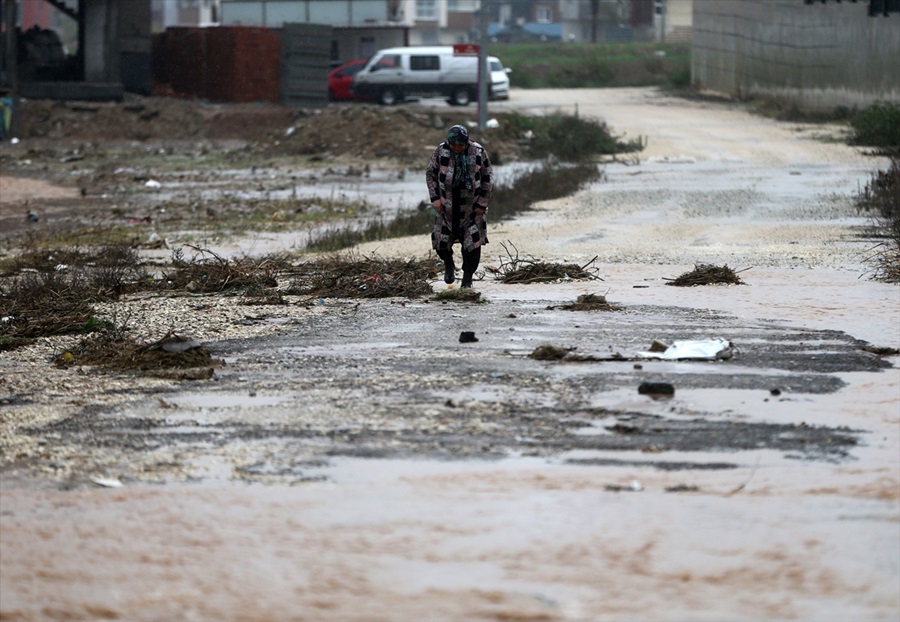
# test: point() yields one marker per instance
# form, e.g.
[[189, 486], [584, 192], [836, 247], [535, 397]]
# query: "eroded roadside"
[[388, 379]]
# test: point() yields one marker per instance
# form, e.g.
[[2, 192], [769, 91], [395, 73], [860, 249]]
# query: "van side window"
[[388, 61], [424, 63]]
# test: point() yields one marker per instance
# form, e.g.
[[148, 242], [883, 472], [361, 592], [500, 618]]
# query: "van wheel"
[[388, 97], [461, 97]]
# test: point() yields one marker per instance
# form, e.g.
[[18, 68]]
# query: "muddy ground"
[[353, 460]]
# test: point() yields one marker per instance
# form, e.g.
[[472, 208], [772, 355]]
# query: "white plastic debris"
[[152, 183], [694, 350], [181, 346], [492, 123], [14, 140], [290, 131], [107, 482]]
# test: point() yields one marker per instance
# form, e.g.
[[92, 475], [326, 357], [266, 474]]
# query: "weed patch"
[[46, 297], [881, 198]]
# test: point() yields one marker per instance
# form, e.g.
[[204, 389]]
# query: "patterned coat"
[[439, 178]]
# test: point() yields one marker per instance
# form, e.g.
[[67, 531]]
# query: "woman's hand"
[[437, 205]]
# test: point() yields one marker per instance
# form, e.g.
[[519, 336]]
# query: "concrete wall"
[[819, 55]]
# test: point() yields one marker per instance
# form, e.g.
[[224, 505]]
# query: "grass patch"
[[406, 222], [542, 183], [594, 65]]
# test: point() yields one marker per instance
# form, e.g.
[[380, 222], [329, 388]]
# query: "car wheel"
[[461, 97], [388, 97]]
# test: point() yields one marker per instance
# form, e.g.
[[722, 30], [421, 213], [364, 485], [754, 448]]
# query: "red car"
[[340, 79]]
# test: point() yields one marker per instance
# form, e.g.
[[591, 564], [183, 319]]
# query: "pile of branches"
[[207, 272], [591, 302], [112, 351], [707, 274], [352, 276], [514, 269]]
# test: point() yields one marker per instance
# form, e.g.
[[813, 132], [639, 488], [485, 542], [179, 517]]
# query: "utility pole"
[[11, 65], [661, 11], [484, 18]]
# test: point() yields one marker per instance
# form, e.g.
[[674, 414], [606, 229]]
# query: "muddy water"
[[272, 514]]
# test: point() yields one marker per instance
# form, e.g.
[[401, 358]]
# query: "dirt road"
[[362, 464]]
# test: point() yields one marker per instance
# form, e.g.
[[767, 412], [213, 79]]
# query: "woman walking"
[[459, 179]]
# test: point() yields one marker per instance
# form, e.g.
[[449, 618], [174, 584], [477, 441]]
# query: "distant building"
[[75, 49], [169, 13]]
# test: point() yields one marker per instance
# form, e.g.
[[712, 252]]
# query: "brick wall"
[[224, 64]]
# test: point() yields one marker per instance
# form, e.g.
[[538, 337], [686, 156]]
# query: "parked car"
[[394, 74], [340, 78]]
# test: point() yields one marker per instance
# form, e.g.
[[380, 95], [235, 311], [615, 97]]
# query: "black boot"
[[449, 270], [471, 260]]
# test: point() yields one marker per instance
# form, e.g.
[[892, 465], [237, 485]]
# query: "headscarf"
[[459, 135]]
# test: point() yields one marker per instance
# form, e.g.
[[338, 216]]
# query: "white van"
[[393, 74]]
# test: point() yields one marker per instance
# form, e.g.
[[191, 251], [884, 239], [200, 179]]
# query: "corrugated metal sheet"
[[305, 57]]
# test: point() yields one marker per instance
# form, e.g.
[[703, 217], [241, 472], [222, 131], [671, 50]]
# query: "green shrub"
[[567, 137], [680, 78], [878, 126]]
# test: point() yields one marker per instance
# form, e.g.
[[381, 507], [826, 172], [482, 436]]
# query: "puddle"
[[226, 400]]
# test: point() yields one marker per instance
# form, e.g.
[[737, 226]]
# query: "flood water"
[[281, 521]]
